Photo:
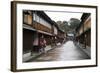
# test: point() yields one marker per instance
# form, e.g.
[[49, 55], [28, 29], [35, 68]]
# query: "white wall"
[[5, 38], [55, 30]]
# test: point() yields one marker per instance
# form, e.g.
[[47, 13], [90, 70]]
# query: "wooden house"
[[83, 31], [37, 24]]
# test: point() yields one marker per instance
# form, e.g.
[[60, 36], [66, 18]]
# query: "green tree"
[[63, 25], [74, 22]]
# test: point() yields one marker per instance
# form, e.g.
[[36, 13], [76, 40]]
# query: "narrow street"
[[46, 30], [67, 51]]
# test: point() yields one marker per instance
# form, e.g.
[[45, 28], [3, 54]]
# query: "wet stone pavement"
[[67, 51]]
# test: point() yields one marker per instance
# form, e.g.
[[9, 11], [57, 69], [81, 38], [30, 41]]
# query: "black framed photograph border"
[[14, 35]]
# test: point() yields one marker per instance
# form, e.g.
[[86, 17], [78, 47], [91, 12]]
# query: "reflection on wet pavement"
[[67, 51]]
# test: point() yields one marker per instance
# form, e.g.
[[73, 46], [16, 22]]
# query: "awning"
[[44, 32], [28, 27]]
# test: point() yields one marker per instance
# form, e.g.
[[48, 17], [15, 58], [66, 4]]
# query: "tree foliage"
[[63, 25], [68, 26], [74, 23]]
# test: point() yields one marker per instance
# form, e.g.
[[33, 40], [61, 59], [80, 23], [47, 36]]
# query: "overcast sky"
[[63, 16]]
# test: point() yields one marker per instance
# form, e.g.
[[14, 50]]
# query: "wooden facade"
[[27, 17], [38, 21], [28, 38], [59, 34], [83, 31]]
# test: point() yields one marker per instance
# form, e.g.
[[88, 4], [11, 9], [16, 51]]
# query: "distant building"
[[83, 31], [70, 36], [59, 34]]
